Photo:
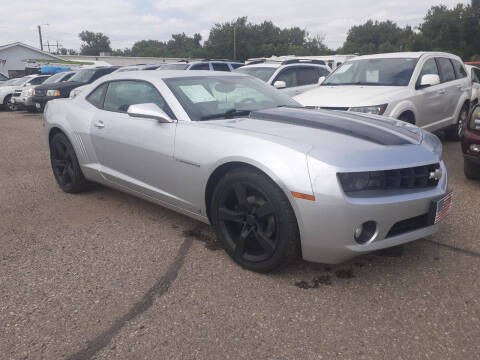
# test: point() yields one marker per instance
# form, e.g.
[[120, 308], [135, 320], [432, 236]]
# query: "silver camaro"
[[271, 177]]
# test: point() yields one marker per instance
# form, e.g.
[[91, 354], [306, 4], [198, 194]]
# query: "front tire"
[[7, 105], [254, 220], [456, 131], [65, 166], [471, 170]]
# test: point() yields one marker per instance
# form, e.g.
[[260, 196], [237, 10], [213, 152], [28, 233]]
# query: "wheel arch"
[[225, 167], [410, 115]]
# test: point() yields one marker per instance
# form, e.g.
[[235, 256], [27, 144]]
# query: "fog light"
[[475, 148], [365, 232]]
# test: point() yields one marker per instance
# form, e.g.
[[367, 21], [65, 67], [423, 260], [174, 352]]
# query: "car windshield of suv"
[[83, 76], [174, 67], [375, 72], [54, 78], [216, 97], [263, 73]]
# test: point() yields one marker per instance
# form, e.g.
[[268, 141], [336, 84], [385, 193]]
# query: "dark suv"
[[45, 93], [471, 145]]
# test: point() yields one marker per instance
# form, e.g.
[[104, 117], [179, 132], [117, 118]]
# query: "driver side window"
[[289, 76], [121, 94]]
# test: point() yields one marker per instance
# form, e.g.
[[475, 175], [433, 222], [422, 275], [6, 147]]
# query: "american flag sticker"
[[442, 207]]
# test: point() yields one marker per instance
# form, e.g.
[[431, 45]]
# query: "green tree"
[[94, 43], [374, 37]]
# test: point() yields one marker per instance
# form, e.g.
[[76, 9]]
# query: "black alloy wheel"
[[254, 220], [65, 165]]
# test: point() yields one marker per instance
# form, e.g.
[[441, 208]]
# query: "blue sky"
[[126, 21]]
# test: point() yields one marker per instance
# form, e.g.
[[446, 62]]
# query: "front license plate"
[[38, 106], [440, 208]]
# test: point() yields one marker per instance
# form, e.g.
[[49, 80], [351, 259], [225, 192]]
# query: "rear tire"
[[471, 170], [254, 220], [65, 166], [455, 132]]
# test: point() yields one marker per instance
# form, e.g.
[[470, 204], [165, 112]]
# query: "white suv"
[[293, 76], [429, 89]]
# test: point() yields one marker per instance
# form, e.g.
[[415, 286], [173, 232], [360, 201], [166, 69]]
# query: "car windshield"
[[220, 97], [263, 73], [3, 77], [375, 72], [174, 67], [54, 78], [83, 76]]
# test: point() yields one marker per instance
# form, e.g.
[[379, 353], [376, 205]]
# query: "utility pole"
[[40, 36], [234, 42]]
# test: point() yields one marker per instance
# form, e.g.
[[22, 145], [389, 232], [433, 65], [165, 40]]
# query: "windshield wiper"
[[229, 114]]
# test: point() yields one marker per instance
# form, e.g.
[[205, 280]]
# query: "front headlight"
[[30, 92], [374, 109], [475, 119], [53, 93]]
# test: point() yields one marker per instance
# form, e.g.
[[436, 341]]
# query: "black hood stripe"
[[324, 121]]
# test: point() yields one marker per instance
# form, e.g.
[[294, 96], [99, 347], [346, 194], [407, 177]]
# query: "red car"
[[471, 145]]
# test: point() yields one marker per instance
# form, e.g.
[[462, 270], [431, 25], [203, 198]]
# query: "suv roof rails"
[[224, 60], [261, 61], [303, 61]]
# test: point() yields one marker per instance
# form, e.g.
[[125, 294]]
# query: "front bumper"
[[42, 101], [327, 224], [471, 137], [22, 101]]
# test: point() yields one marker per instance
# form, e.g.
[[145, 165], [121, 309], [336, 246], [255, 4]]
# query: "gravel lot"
[[103, 275]]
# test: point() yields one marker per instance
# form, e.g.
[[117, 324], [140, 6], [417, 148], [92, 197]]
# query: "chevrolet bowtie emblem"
[[435, 175]]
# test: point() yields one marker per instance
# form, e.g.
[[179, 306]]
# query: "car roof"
[[166, 74], [416, 55]]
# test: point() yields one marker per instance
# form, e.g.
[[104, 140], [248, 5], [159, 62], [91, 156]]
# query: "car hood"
[[341, 137], [349, 95]]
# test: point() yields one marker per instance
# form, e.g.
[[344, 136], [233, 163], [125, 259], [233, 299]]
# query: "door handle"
[[441, 91], [99, 124]]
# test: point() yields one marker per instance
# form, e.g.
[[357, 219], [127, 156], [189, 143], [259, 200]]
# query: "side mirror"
[[429, 80], [321, 79], [280, 84], [149, 111]]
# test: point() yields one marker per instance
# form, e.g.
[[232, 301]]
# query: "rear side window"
[[445, 67], [459, 69], [307, 76], [220, 67], [96, 96], [203, 66]]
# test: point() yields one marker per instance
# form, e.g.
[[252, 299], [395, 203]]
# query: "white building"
[[13, 56]]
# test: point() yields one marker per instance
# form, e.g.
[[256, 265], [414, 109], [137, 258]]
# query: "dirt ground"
[[103, 275]]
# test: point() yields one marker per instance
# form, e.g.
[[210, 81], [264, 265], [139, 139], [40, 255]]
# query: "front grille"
[[334, 108], [40, 92], [408, 178], [407, 225]]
